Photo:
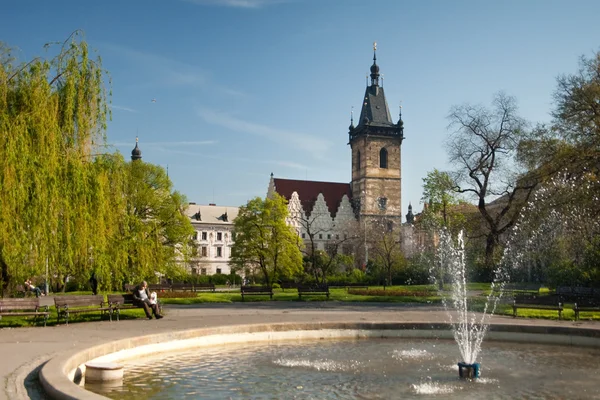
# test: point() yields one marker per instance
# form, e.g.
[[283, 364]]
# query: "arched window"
[[383, 158], [358, 161]]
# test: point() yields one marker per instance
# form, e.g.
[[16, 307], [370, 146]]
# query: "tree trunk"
[[490, 249], [5, 277]]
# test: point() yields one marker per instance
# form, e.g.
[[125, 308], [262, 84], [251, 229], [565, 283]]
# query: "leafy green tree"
[[63, 205], [442, 211], [52, 113], [265, 241], [385, 249], [158, 233]]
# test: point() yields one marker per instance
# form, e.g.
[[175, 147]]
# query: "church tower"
[[376, 143]]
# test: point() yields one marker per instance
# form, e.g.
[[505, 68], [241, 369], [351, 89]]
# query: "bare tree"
[[483, 148]]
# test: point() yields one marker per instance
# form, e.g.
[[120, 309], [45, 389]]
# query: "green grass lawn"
[[423, 294]]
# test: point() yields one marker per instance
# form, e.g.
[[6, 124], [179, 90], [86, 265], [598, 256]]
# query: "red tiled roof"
[[309, 190]]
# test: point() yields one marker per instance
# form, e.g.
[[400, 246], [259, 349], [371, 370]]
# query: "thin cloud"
[[311, 144], [279, 163], [237, 3], [116, 107], [170, 144], [166, 70]]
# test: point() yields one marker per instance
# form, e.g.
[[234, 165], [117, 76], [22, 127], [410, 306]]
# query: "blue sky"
[[244, 88]]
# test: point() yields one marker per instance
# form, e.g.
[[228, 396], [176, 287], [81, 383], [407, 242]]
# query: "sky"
[[225, 92]]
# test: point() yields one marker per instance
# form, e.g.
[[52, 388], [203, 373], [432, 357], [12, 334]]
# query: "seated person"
[[32, 288], [142, 298]]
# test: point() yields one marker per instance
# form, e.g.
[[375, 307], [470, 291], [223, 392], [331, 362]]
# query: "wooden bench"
[[159, 287], [124, 301], [590, 304], [182, 287], [204, 287], [313, 290], [68, 305], [23, 308], [537, 303], [256, 290]]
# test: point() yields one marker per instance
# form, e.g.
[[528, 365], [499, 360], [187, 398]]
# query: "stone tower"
[[376, 143]]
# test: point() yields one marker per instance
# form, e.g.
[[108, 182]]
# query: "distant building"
[[327, 210], [214, 237]]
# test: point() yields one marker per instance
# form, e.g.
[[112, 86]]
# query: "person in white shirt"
[[141, 298]]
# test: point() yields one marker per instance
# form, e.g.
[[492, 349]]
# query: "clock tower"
[[376, 143]]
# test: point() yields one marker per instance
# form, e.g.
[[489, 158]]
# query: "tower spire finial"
[[352, 118], [374, 67]]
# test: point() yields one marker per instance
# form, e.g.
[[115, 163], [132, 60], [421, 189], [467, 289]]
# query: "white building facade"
[[214, 237]]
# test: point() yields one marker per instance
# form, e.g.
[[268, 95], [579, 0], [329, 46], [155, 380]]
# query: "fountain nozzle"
[[468, 371]]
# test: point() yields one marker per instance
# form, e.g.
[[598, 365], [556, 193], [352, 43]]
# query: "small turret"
[[410, 217], [136, 153]]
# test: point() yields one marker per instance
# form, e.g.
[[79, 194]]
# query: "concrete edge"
[[60, 375]]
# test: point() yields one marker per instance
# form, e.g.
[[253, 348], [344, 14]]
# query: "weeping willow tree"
[[62, 207]]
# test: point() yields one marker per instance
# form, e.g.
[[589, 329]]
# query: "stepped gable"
[[309, 190]]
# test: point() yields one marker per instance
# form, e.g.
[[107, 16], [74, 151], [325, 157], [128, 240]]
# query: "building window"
[[219, 252], [219, 236], [203, 235], [329, 236], [383, 161], [196, 235], [358, 161], [204, 251], [382, 202], [320, 236], [202, 271], [390, 226], [337, 237], [304, 236], [233, 236], [218, 270]]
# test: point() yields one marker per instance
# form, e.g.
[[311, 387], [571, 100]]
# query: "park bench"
[[256, 290], [204, 287], [159, 287], [69, 305], [124, 301], [182, 287], [313, 290], [23, 308], [537, 303], [590, 304]]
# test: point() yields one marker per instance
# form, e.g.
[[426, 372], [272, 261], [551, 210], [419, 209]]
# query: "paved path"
[[22, 350]]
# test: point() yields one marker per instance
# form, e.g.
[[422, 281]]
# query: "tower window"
[[383, 158], [358, 161], [382, 202]]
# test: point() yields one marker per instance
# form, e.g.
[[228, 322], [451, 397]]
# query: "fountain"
[[468, 328]]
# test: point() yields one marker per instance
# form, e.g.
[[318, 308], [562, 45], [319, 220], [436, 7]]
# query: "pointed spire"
[[410, 217], [400, 122], [351, 118], [136, 153], [374, 67]]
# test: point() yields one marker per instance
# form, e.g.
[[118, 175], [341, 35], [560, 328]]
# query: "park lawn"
[[15, 322]]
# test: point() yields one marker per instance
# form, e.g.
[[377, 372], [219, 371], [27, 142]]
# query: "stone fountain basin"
[[62, 376]]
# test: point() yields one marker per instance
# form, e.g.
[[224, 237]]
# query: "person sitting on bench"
[[32, 288], [141, 298]]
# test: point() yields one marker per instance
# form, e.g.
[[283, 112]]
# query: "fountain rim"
[[58, 374]]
